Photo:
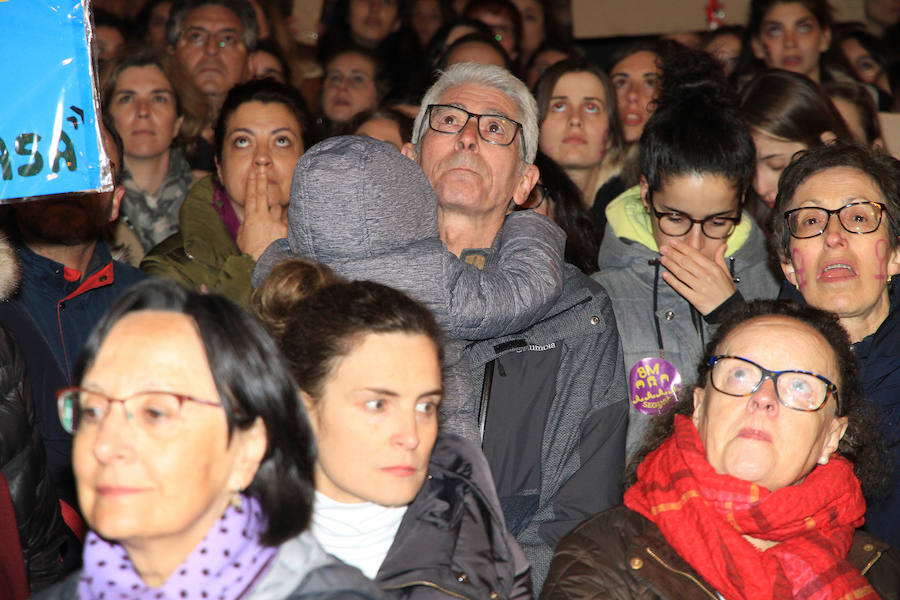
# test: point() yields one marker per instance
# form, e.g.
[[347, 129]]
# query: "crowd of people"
[[427, 303]]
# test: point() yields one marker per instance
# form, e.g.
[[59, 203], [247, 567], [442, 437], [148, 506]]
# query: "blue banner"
[[49, 130]]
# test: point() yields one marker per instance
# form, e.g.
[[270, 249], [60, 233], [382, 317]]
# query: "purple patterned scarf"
[[224, 566]]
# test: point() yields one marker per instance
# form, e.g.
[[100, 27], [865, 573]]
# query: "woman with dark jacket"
[[837, 241], [414, 510], [753, 486]]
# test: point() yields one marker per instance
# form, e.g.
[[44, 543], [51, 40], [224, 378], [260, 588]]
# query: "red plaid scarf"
[[703, 515]]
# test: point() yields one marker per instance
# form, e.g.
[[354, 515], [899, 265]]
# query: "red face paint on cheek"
[[881, 253], [799, 271]]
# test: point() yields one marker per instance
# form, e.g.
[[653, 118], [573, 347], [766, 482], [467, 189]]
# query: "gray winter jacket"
[[629, 270], [301, 571], [368, 212], [553, 410]]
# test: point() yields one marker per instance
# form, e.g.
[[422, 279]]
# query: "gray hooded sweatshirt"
[[368, 212]]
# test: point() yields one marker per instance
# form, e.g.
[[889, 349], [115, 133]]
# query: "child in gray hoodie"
[[368, 212]]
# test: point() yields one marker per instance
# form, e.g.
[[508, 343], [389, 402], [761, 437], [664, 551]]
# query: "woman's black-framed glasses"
[[796, 389], [856, 217], [494, 129], [152, 411], [677, 224]]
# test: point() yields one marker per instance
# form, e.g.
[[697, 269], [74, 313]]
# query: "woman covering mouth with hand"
[[679, 250], [837, 241]]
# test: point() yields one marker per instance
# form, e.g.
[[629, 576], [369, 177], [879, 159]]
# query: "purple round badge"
[[653, 383]]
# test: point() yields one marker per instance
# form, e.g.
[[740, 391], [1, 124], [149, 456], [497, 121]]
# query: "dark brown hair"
[[317, 318], [792, 107]]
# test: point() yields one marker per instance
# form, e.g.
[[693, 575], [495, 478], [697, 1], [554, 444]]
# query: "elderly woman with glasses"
[[838, 246], [753, 486], [678, 250], [193, 459]]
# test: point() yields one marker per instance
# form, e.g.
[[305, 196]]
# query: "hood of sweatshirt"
[[355, 196]]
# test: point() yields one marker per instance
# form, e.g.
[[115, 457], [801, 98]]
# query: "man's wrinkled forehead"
[[480, 99]]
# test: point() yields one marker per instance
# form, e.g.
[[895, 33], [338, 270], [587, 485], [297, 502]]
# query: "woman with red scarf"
[[752, 487]]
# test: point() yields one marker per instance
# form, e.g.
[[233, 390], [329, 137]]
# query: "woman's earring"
[[237, 501], [823, 460]]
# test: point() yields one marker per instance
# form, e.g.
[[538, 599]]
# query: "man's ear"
[[827, 137], [529, 177], [409, 151], [117, 194]]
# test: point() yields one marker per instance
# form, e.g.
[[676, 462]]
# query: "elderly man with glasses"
[[552, 410]]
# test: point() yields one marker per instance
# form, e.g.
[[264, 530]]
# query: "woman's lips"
[[575, 139], [755, 434], [632, 118], [837, 271], [117, 490], [400, 470]]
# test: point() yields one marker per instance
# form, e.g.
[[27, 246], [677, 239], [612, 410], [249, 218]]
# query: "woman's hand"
[[703, 282], [263, 224]]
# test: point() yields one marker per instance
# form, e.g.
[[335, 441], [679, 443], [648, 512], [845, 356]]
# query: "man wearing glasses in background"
[[553, 407], [211, 41]]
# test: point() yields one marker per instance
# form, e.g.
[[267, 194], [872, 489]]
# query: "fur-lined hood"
[[10, 270]]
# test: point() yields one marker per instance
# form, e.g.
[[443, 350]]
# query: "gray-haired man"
[[553, 408]]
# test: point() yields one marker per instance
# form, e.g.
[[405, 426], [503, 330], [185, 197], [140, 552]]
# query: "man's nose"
[[468, 136]]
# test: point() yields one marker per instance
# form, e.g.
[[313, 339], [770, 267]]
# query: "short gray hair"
[[241, 8], [493, 77]]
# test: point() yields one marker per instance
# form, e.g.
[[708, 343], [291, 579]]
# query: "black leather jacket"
[[42, 530], [618, 554], [41, 527], [452, 541]]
